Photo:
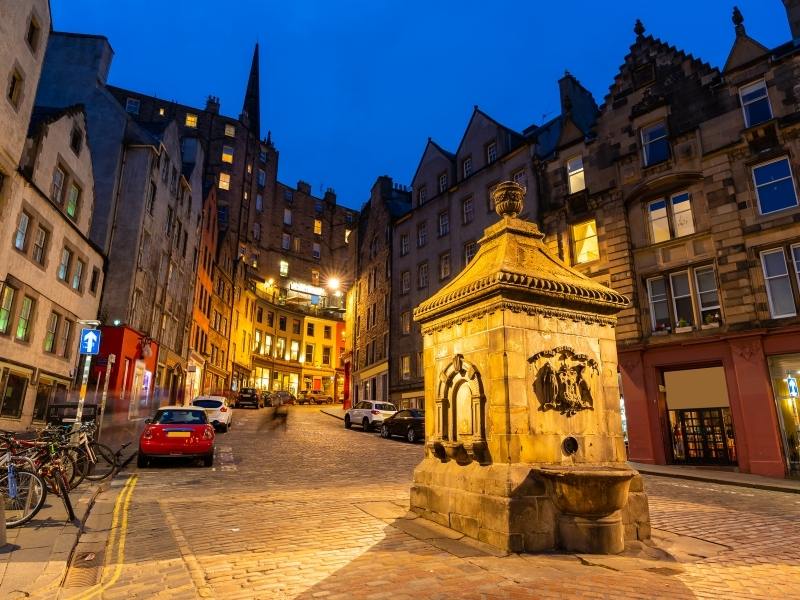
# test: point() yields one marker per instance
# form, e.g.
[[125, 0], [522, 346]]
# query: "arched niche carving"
[[460, 416]]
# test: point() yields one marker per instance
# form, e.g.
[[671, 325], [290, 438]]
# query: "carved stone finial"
[[738, 20], [507, 198], [638, 29]]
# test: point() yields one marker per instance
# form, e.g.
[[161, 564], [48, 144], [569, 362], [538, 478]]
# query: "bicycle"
[[23, 490]]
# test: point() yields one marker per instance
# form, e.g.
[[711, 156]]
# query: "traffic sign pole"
[[111, 360], [87, 363], [89, 346]]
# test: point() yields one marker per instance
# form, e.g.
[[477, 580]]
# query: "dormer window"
[[655, 145], [442, 183], [755, 103], [575, 176], [467, 167], [132, 106], [491, 153]]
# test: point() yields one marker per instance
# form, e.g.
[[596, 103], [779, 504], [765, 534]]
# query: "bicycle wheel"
[[105, 463], [82, 465], [66, 465], [23, 498]]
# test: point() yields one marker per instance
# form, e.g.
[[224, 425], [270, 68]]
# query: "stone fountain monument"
[[524, 447]]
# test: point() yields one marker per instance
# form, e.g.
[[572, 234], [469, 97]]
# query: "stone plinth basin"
[[586, 490]]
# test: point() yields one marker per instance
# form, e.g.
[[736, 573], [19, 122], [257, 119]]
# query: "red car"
[[177, 432]]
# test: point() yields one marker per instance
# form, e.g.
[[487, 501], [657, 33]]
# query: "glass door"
[[703, 436]]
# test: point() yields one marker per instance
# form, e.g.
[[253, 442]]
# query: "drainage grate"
[[84, 571]]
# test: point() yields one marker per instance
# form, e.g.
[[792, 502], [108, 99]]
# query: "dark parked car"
[[249, 397], [408, 423]]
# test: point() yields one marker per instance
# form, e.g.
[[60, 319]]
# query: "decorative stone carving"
[[460, 418], [507, 198], [565, 387]]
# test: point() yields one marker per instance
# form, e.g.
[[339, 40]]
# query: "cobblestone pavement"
[[311, 510]]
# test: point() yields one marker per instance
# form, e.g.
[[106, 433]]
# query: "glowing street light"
[[334, 283]]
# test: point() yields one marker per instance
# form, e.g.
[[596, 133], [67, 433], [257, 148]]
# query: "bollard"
[[2, 520]]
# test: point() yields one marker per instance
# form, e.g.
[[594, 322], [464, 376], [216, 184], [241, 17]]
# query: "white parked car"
[[218, 411], [368, 414]]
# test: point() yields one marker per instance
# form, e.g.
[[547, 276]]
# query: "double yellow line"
[[119, 531]]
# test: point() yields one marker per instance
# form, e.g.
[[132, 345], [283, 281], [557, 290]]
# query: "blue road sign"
[[792, 384], [90, 341]]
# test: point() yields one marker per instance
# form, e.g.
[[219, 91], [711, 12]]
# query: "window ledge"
[[687, 329], [710, 326]]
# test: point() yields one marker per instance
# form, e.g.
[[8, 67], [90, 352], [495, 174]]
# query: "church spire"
[[252, 97]]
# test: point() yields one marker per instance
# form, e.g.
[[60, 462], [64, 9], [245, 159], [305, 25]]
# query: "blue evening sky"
[[352, 89]]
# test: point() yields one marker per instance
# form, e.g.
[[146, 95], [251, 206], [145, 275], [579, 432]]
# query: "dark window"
[[76, 140], [33, 35], [14, 92], [13, 395]]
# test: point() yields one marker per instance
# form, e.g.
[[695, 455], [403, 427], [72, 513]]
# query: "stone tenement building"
[[51, 274], [146, 218], [687, 203], [370, 307], [438, 237]]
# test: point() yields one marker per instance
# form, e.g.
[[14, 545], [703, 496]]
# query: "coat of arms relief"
[[564, 380]]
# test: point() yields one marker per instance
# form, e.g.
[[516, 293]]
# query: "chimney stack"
[[212, 104], [793, 14]]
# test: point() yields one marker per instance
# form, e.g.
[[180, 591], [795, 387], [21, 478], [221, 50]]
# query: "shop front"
[[784, 371]]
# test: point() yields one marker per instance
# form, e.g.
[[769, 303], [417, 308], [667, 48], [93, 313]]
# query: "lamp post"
[[87, 362]]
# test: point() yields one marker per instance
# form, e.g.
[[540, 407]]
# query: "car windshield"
[[416, 413], [180, 417], [207, 403], [385, 407]]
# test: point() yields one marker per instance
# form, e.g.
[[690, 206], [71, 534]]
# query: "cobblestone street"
[[316, 511]]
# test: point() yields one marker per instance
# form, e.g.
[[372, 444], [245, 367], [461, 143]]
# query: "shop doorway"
[[700, 425], [784, 372]]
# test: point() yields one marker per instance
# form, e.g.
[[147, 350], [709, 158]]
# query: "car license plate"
[[178, 433]]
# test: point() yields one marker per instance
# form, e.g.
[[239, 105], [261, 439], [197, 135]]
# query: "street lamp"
[[333, 284]]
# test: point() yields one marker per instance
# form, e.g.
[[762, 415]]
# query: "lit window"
[[575, 175], [444, 266], [422, 275], [670, 219], [259, 203], [405, 282], [294, 350], [347, 233], [422, 234], [227, 154], [405, 322], [286, 241], [491, 153], [230, 130], [774, 186], [315, 278], [584, 242], [191, 120], [6, 302], [73, 198], [24, 319], [284, 268], [297, 244], [442, 182], [57, 188], [224, 181], [468, 210], [779, 286], [470, 249], [403, 244], [132, 106], [161, 112], [317, 227], [422, 196], [467, 167], [287, 216], [22, 231], [315, 250], [444, 223], [405, 366], [655, 146], [755, 103]]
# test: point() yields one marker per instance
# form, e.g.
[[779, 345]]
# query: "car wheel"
[[385, 432], [411, 435], [208, 460], [347, 423], [365, 424], [223, 427], [142, 461]]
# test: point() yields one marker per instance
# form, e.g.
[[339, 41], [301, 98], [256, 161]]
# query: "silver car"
[[368, 414]]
